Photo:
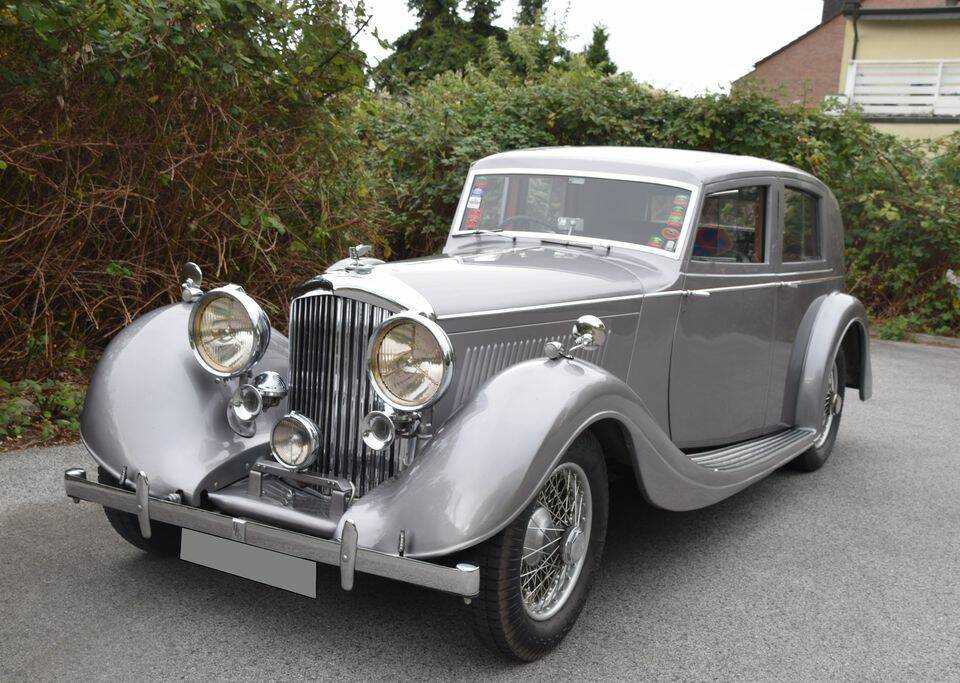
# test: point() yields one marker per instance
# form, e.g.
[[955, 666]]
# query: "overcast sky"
[[691, 46]]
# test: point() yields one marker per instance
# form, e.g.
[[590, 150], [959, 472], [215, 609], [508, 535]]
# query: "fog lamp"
[[378, 430], [295, 441]]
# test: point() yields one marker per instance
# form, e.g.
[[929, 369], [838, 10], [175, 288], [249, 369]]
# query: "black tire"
[[498, 614], [164, 538], [814, 457]]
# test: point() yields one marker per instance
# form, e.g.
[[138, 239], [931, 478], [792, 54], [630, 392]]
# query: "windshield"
[[622, 210]]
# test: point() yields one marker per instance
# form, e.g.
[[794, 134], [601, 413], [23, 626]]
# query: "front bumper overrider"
[[462, 580]]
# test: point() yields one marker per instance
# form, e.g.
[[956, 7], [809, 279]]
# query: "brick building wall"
[[808, 69]]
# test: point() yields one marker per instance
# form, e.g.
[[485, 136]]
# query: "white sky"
[[691, 46]]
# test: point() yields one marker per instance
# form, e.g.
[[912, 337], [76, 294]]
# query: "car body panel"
[[150, 407]]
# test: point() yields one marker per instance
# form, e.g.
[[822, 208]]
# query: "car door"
[[808, 259], [720, 366]]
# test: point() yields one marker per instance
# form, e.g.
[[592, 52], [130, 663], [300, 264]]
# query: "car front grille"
[[328, 384]]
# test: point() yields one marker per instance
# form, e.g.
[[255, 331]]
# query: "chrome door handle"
[[697, 292], [791, 285]]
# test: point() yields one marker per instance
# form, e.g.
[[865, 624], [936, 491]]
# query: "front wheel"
[[164, 538], [536, 573], [832, 410]]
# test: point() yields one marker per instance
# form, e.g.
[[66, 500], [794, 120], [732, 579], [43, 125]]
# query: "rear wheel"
[[831, 412], [535, 574], [164, 538]]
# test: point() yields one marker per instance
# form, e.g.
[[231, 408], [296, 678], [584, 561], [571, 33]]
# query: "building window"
[[732, 226], [801, 226]]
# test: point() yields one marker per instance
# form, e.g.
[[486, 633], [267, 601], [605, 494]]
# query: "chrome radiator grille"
[[328, 384]]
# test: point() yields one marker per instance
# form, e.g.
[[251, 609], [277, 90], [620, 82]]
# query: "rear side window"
[[732, 226], [801, 226]]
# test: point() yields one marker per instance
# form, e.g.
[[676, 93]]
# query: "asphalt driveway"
[[852, 572]]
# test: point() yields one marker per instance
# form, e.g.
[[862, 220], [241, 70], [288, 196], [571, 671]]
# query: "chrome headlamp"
[[410, 362], [228, 331]]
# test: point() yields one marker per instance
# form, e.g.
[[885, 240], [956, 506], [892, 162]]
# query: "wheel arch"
[[835, 323]]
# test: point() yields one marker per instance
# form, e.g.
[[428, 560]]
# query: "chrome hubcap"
[[832, 405], [556, 542]]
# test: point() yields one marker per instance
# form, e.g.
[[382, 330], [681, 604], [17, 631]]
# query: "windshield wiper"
[[498, 232], [605, 248]]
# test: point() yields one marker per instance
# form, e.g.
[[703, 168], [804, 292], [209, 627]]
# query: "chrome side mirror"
[[590, 333], [190, 285]]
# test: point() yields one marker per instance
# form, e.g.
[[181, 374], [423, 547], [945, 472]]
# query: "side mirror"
[[590, 333]]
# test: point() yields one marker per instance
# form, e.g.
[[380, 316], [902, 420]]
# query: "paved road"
[[851, 572]]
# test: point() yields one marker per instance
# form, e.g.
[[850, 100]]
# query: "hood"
[[491, 279]]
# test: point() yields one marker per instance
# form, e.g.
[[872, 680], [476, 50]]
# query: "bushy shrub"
[[32, 411], [137, 135], [900, 201]]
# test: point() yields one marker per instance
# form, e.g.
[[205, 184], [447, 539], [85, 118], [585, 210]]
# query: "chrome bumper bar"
[[463, 580]]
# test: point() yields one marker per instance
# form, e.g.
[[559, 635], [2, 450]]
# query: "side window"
[[732, 227], [801, 226]]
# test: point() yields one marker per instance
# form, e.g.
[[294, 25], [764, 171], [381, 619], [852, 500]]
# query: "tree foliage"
[[596, 53], [137, 135], [899, 200], [238, 134], [441, 41]]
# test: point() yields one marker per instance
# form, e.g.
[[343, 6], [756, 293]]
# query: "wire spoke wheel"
[[831, 407], [556, 541]]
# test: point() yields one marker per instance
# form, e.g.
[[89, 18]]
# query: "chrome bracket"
[[143, 503], [348, 554], [239, 530]]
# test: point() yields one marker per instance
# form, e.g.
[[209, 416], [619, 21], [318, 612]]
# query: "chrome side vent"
[[328, 384], [480, 363]]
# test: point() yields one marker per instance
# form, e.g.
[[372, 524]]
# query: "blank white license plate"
[[290, 573]]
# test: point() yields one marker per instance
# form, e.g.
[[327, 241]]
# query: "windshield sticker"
[[670, 245], [474, 202], [473, 219], [671, 233], [576, 181]]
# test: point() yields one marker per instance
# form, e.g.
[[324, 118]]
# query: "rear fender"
[[825, 326], [151, 407]]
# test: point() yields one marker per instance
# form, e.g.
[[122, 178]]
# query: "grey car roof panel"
[[688, 166]]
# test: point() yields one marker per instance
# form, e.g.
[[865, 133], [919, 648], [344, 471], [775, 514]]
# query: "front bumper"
[[463, 580]]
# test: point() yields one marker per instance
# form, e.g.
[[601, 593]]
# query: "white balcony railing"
[[917, 88]]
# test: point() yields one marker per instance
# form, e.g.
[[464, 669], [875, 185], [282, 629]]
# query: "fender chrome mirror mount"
[[590, 334], [190, 286]]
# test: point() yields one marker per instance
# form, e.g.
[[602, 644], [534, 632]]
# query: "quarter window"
[[801, 226], [732, 226]]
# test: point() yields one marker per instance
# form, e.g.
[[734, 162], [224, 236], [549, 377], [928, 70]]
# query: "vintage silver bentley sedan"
[[450, 422]]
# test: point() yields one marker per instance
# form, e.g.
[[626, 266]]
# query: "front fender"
[[484, 466], [151, 407], [489, 460]]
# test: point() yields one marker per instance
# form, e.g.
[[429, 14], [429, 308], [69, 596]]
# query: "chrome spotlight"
[[295, 441]]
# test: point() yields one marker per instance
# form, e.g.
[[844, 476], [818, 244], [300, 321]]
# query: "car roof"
[[688, 166]]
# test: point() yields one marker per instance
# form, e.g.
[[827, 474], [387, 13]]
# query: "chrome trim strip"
[[562, 304], [464, 580], [628, 297], [379, 287]]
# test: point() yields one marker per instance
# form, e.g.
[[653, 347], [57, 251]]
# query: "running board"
[[779, 446]]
